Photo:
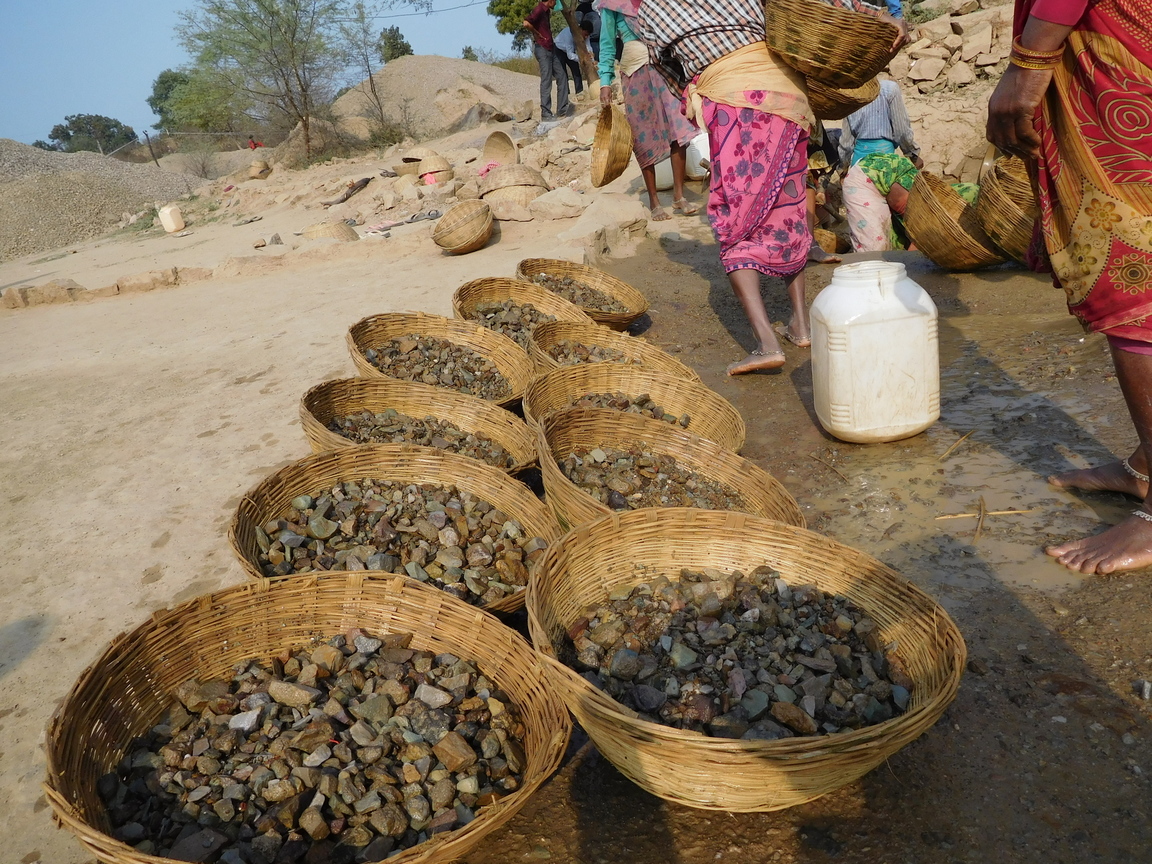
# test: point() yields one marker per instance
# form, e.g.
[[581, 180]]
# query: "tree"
[[162, 88], [88, 132], [469, 54], [209, 102], [281, 54], [393, 44], [361, 50]]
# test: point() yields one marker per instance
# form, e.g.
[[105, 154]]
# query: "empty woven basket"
[[341, 231], [561, 432], [832, 103], [834, 46], [1007, 207], [129, 686], [710, 415], [343, 397], [510, 175], [945, 228], [722, 773], [499, 147], [464, 227], [617, 289], [612, 145]]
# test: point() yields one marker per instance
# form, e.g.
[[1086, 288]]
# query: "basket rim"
[[632, 346], [798, 746], [939, 209], [635, 301], [489, 288], [611, 145], [550, 751], [468, 413]]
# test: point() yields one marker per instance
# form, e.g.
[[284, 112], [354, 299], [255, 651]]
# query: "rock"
[[794, 718], [961, 75], [312, 821], [934, 30], [442, 794], [976, 41], [148, 281], [454, 752], [899, 66], [246, 721], [625, 664], [755, 704], [608, 226], [376, 709], [681, 656], [983, 60], [648, 699], [562, 203], [433, 697], [294, 695], [927, 69], [731, 725], [1143, 689], [201, 846], [510, 211]]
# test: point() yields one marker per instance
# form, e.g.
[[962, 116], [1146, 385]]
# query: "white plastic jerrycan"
[[875, 354]]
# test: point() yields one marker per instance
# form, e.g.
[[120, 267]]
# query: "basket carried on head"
[[126, 691], [710, 415], [1007, 208], [497, 289], [373, 331], [558, 434], [346, 396], [617, 289], [500, 148], [634, 349], [836, 47], [691, 768], [464, 227], [833, 103], [612, 145], [272, 497], [945, 228]]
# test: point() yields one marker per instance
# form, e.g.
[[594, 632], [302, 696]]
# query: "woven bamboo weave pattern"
[[561, 432], [464, 227], [611, 146], [497, 289], [721, 773], [945, 228], [127, 689], [1007, 208], [638, 350], [834, 46], [831, 103], [636, 303], [500, 148], [375, 330], [272, 497], [468, 413], [712, 416], [504, 176]]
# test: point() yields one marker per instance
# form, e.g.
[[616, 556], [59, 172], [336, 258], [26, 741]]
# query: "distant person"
[[566, 45], [253, 143], [879, 127], [590, 17], [551, 62]]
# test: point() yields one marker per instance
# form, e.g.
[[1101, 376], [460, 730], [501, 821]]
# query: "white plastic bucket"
[[696, 159], [171, 218], [875, 354]]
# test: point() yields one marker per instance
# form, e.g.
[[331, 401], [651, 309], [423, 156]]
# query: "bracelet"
[[1145, 516], [1028, 64], [1034, 55]]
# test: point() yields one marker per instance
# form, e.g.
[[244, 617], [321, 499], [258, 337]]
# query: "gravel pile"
[[49, 200]]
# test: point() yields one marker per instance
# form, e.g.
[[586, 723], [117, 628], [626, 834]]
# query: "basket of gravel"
[[604, 298], [351, 411], [568, 343], [637, 390], [647, 568], [512, 307], [442, 352], [596, 460], [453, 522], [238, 645]]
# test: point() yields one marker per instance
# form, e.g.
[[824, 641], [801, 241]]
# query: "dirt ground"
[[132, 425]]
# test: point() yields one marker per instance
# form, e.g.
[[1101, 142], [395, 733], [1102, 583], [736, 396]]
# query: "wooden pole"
[[150, 150], [587, 64]]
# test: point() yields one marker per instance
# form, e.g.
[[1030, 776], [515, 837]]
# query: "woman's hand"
[[900, 24], [1012, 108], [605, 95]]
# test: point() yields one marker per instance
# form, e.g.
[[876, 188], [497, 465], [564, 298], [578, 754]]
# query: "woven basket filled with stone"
[[713, 607], [512, 307], [596, 460], [193, 737], [453, 522], [350, 411], [565, 343]]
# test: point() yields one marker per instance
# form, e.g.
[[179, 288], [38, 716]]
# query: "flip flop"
[[805, 342], [660, 215], [771, 360]]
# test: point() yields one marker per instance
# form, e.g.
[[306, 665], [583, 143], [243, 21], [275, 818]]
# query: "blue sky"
[[62, 57]]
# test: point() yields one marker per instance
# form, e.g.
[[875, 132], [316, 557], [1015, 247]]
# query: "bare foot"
[[1127, 546], [799, 340], [659, 214], [818, 255], [756, 362], [1106, 478]]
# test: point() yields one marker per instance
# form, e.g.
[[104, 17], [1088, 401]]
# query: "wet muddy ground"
[[1044, 755]]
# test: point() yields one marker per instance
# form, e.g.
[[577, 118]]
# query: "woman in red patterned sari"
[[1077, 101]]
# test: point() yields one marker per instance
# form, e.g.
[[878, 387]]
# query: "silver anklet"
[[1147, 517], [1144, 478]]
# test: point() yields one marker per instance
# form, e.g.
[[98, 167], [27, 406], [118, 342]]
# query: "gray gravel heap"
[[49, 200]]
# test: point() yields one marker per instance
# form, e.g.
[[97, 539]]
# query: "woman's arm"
[[607, 65], [1013, 105]]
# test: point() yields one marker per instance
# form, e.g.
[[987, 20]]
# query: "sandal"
[[685, 207], [798, 341], [757, 361]]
